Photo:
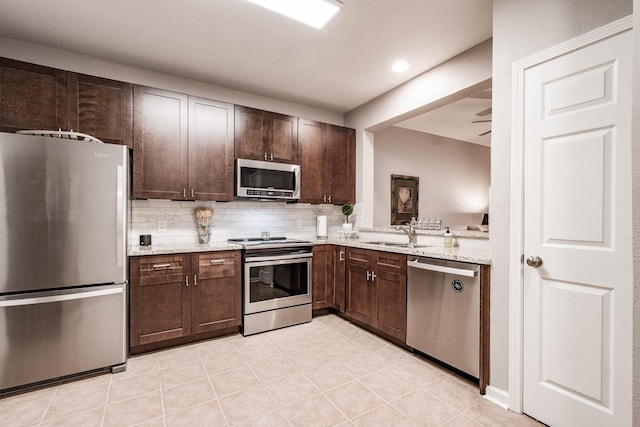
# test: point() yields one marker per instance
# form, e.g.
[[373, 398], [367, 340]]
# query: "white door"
[[577, 221]]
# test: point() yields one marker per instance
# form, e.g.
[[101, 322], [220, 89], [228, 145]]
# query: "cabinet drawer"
[[212, 266], [357, 256], [388, 261], [154, 270]]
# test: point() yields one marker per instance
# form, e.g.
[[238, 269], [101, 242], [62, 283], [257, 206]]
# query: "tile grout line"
[[215, 392], [44, 413], [106, 402]]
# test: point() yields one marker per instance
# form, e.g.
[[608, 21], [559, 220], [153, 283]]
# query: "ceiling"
[[236, 44], [467, 119]]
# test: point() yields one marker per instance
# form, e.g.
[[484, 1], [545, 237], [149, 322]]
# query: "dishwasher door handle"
[[443, 268]]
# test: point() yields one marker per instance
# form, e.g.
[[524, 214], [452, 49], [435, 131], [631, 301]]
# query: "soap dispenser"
[[448, 238]]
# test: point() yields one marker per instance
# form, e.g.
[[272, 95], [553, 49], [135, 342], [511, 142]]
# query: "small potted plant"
[[347, 210]]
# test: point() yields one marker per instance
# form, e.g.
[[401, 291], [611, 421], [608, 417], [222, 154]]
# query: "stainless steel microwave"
[[267, 180]]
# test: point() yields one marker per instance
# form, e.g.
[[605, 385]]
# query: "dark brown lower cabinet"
[[338, 261], [178, 297], [321, 280], [376, 290], [217, 291], [328, 279]]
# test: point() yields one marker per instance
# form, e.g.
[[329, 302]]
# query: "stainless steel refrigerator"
[[63, 276]]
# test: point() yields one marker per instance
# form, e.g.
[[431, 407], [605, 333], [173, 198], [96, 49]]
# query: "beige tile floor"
[[324, 373]]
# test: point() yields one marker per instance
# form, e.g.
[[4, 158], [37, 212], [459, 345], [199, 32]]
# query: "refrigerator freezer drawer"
[[45, 335]]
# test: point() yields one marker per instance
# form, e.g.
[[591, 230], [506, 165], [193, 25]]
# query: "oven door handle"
[[249, 260]]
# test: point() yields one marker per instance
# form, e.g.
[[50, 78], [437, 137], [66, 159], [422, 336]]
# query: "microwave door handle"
[[297, 177]]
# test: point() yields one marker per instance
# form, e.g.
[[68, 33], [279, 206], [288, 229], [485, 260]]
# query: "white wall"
[[454, 175], [636, 212], [520, 29], [462, 75]]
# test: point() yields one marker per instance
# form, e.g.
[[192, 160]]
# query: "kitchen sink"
[[396, 245]]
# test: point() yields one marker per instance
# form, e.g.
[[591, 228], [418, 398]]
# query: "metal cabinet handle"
[[195, 280], [329, 198], [265, 157], [324, 198], [167, 265], [192, 196], [217, 261], [534, 261], [368, 276], [184, 193], [271, 157], [186, 280], [373, 276], [341, 256]]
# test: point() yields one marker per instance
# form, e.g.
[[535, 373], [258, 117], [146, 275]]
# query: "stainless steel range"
[[277, 283]]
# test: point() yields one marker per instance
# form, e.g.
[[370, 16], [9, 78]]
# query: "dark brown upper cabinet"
[[31, 97], [264, 135], [100, 107], [182, 146], [327, 163], [42, 98]]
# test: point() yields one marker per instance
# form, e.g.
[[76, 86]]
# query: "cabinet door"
[[391, 303], [282, 139], [217, 291], [360, 294], [339, 263], [100, 108], [322, 285], [160, 298], [391, 293], [31, 97], [250, 133], [341, 148], [312, 155], [210, 150], [159, 144]]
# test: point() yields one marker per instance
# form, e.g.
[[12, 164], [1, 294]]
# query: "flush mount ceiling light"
[[315, 13], [400, 66]]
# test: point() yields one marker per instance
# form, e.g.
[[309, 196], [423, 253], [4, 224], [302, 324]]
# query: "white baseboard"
[[498, 396]]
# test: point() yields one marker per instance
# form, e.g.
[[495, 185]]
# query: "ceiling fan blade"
[[481, 121], [484, 112], [485, 133]]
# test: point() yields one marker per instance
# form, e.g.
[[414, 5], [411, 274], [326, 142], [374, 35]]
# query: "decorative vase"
[[347, 226], [204, 232]]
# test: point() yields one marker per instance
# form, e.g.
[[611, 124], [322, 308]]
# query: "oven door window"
[[272, 282]]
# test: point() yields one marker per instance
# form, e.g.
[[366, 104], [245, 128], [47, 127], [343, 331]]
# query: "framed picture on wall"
[[404, 199]]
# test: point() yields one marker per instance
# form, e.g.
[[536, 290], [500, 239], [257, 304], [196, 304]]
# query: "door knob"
[[534, 261]]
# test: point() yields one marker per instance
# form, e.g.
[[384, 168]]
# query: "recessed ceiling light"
[[315, 13], [400, 66]]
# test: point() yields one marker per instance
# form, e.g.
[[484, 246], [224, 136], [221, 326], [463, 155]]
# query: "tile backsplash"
[[230, 219]]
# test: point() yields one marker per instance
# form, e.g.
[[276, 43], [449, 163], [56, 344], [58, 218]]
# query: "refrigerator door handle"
[[58, 298], [119, 215]]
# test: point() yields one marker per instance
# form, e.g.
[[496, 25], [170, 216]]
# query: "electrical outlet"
[[299, 223], [162, 226]]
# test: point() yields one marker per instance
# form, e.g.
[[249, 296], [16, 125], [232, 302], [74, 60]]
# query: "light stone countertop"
[[472, 255], [165, 249]]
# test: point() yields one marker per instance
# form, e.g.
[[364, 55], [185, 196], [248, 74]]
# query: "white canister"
[[321, 227]]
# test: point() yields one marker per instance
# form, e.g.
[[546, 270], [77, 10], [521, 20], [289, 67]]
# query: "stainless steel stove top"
[[257, 243]]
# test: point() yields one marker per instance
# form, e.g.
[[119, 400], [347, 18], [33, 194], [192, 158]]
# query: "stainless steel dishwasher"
[[443, 311]]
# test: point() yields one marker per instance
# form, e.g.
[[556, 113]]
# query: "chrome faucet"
[[410, 231]]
